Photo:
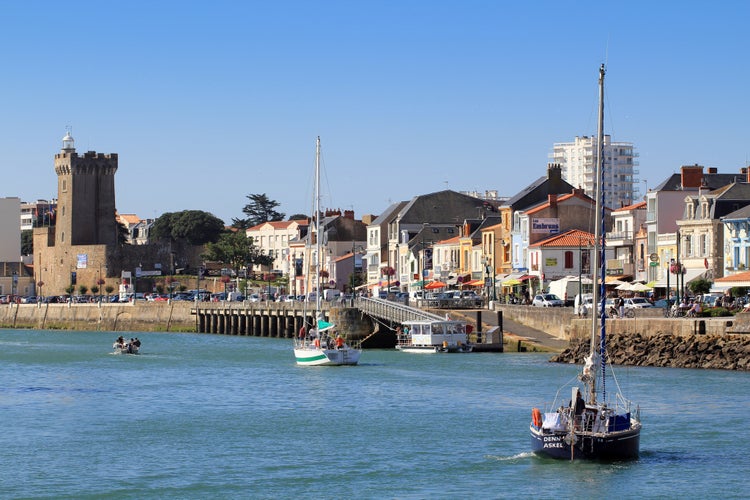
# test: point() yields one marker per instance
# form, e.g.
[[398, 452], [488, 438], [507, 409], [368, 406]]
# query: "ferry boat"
[[433, 336]]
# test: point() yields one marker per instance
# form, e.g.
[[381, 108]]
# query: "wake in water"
[[519, 456]]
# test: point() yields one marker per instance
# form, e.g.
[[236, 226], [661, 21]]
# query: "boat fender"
[[536, 417], [317, 342]]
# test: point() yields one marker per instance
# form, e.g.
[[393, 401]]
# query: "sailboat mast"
[[599, 250], [317, 230]]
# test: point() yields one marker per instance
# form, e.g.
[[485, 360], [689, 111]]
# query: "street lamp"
[[423, 274]]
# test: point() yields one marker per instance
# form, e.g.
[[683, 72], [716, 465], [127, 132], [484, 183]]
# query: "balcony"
[[619, 239]]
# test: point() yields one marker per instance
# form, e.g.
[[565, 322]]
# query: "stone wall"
[[562, 323], [723, 352], [144, 316]]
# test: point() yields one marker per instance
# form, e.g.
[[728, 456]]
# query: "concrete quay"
[[256, 319]]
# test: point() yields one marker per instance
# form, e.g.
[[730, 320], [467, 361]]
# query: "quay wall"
[[562, 323], [256, 319], [143, 316]]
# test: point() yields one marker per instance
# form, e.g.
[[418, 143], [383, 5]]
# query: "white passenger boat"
[[432, 336]]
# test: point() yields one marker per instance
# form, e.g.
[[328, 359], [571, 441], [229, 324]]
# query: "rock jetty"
[[693, 351]]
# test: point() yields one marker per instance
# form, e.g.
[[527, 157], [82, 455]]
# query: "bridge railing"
[[393, 311]]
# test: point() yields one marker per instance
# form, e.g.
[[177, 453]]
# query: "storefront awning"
[[474, 283], [690, 275]]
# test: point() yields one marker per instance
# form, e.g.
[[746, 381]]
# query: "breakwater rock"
[[722, 352]]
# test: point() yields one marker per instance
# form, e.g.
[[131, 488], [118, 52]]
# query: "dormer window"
[[690, 211]]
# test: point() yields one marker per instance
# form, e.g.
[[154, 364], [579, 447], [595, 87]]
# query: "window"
[[568, 259]]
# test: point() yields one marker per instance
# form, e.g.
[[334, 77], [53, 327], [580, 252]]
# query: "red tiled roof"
[[561, 198], [744, 276], [276, 224], [572, 238], [449, 241], [634, 206]]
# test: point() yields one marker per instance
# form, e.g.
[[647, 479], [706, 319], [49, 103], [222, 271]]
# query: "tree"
[[193, 226], [259, 210], [122, 234], [236, 251], [298, 217], [700, 286], [27, 242]]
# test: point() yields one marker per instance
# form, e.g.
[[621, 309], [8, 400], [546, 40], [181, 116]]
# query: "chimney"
[[554, 171], [349, 214], [552, 199], [691, 176], [711, 170]]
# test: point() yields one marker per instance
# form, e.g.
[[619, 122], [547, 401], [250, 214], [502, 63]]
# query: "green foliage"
[[193, 226], [236, 251], [82, 289], [109, 289], [716, 312], [27, 242], [69, 289], [700, 286], [260, 209], [122, 234], [738, 291], [297, 217], [95, 289]]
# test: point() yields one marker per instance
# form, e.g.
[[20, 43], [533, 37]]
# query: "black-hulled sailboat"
[[590, 426]]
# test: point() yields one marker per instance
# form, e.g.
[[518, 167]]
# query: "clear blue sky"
[[207, 102]]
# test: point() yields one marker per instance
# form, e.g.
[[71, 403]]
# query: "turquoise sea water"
[[207, 416]]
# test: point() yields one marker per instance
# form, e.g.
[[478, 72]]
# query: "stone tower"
[[86, 197]]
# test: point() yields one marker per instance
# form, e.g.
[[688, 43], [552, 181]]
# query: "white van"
[[331, 294]]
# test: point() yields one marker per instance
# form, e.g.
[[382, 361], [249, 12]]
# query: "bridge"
[[393, 312]]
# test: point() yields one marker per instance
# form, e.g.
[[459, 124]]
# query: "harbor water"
[[209, 416]]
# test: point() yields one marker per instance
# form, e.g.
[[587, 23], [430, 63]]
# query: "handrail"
[[393, 311]]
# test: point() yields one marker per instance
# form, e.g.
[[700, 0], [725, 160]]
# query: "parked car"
[[547, 300], [637, 303]]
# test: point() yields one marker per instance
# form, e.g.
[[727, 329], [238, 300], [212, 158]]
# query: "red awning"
[[475, 283], [434, 285]]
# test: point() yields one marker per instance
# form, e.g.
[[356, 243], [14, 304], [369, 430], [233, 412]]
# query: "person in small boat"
[[137, 343], [120, 342], [339, 341]]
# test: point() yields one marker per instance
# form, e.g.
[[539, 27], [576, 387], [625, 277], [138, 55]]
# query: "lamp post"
[[396, 264], [14, 285], [388, 271], [422, 273]]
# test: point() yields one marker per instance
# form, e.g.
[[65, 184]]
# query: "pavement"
[[512, 329]]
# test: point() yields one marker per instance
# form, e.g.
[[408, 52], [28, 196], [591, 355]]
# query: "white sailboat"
[[322, 345], [590, 426]]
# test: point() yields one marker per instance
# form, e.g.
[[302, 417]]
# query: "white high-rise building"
[[578, 162]]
